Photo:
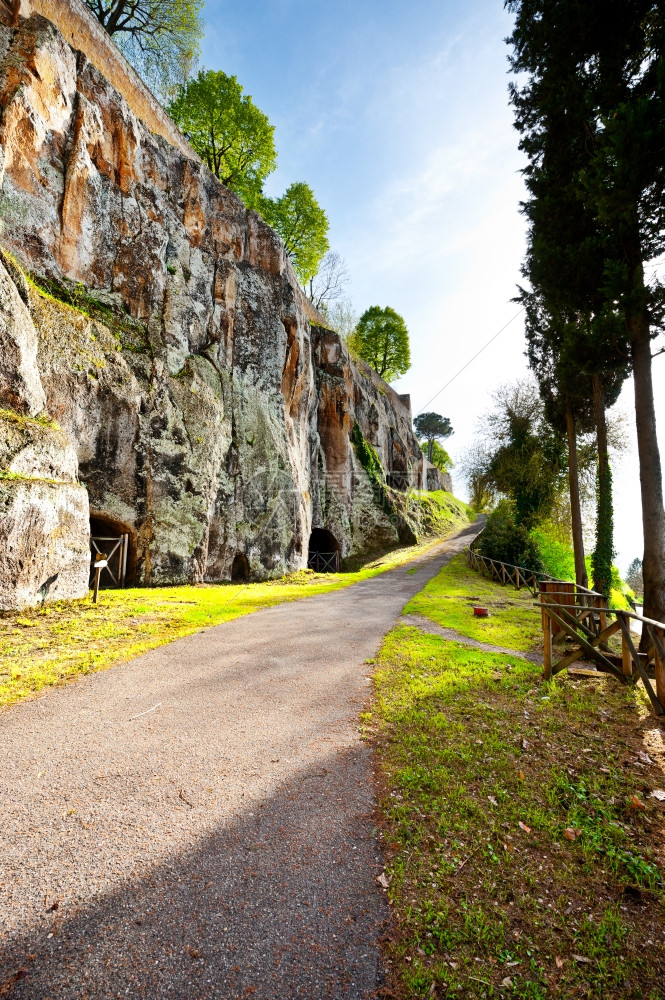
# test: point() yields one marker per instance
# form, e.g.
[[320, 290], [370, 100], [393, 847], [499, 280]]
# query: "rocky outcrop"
[[163, 330], [44, 517]]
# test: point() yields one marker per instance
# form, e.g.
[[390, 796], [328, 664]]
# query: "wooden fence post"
[[100, 564], [626, 658], [547, 640], [660, 668]]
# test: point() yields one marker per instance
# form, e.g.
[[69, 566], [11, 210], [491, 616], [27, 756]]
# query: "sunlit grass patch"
[[524, 855], [449, 598], [55, 642]]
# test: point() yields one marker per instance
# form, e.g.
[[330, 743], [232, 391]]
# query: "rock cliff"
[[161, 373]]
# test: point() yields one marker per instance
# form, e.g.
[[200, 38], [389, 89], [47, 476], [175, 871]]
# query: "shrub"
[[509, 542]]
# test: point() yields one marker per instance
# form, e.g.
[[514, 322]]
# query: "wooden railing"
[[588, 626], [580, 618], [516, 576]]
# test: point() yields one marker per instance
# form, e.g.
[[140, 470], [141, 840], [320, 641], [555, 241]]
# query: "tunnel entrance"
[[240, 568], [116, 542], [324, 554]]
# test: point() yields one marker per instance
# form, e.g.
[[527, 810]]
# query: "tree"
[[440, 457], [382, 340], [341, 316], [159, 37], [433, 427], [520, 457], [302, 225], [611, 55], [329, 282], [634, 577], [231, 135]]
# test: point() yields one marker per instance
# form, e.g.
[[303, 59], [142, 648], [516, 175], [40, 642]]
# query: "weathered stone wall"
[[83, 31], [166, 334]]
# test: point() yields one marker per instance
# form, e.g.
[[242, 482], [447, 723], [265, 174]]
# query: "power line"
[[476, 355]]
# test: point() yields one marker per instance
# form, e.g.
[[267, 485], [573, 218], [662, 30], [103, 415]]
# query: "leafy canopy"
[[302, 225], [159, 37], [382, 340], [520, 458], [440, 457], [231, 135], [433, 427]]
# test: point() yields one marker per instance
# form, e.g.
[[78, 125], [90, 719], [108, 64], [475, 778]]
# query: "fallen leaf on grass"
[[521, 775], [523, 826], [507, 981], [659, 794], [383, 880], [572, 832], [635, 803], [581, 958], [490, 798], [559, 962]]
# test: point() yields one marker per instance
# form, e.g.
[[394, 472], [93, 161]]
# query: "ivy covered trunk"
[[581, 577], [601, 559]]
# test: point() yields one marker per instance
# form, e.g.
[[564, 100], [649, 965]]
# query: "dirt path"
[[219, 844], [425, 625]]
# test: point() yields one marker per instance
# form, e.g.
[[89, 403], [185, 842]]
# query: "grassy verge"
[[448, 600], [524, 852], [55, 642]]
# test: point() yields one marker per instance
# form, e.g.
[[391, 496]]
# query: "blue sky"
[[397, 115]]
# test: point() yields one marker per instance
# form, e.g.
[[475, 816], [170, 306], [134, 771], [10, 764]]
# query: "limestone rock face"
[[210, 415], [44, 516], [20, 384]]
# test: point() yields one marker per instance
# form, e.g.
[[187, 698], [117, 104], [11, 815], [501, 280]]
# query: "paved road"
[[219, 846]]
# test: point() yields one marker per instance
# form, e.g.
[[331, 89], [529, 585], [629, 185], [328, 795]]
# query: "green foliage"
[[371, 463], [367, 455], [522, 458], [558, 557], [505, 539], [231, 135], [603, 554], [159, 37], [382, 340], [439, 456], [433, 427], [589, 107], [302, 225]]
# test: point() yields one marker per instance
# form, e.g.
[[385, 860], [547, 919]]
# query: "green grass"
[[56, 642], [448, 600], [524, 857]]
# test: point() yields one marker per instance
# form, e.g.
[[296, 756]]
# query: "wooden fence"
[[579, 619]]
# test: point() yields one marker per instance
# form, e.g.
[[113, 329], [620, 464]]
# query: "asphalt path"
[[197, 823]]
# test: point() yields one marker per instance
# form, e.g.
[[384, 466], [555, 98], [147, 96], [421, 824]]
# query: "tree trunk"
[[581, 577], [430, 449], [604, 551], [651, 480]]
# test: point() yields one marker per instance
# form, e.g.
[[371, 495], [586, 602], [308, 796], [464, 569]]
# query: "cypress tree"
[[597, 66]]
